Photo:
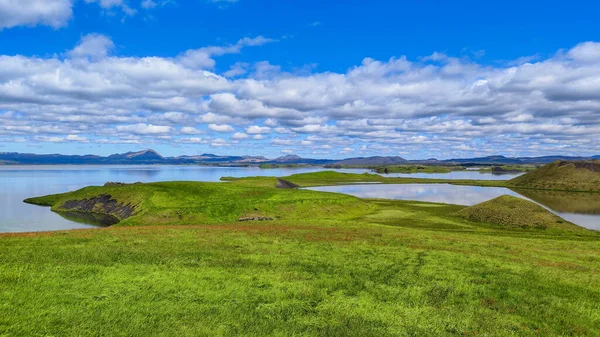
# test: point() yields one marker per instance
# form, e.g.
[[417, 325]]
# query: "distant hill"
[[141, 156], [509, 211], [563, 175], [152, 157], [373, 161]]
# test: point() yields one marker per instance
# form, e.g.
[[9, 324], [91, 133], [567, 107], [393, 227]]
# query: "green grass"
[[329, 265]]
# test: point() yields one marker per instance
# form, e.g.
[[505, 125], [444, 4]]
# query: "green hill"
[[517, 213], [563, 175], [183, 203]]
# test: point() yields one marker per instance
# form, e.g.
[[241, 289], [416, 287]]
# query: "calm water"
[[456, 175], [20, 182], [582, 209]]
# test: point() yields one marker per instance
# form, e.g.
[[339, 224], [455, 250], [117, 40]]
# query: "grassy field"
[[329, 265]]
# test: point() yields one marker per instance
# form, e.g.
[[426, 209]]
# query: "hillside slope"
[[515, 212], [563, 175]]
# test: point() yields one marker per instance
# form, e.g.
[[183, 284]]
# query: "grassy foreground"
[[329, 265]]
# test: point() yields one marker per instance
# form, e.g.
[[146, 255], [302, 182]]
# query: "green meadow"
[[181, 264]]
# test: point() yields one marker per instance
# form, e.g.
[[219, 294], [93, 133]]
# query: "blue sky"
[[315, 78]]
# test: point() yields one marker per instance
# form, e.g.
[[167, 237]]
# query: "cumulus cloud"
[[203, 57], [94, 46], [144, 129], [435, 106], [53, 13], [221, 128], [188, 130], [255, 129]]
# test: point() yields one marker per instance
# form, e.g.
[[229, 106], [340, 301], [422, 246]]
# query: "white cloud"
[[239, 135], [203, 57], [221, 128], [255, 129], [76, 138], [94, 46], [422, 107], [144, 129], [187, 130], [588, 52], [53, 13]]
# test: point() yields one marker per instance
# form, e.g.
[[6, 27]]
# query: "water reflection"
[[582, 209], [566, 202], [458, 175], [98, 220], [443, 193]]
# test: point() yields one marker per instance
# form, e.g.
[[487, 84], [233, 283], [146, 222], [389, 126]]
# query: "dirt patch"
[[103, 204], [285, 184]]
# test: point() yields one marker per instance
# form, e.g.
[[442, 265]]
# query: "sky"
[[320, 79]]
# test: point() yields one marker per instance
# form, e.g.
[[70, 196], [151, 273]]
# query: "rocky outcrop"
[[285, 184], [103, 204], [117, 183], [590, 165], [256, 218]]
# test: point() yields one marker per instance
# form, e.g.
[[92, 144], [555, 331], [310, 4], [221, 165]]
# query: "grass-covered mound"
[[562, 175], [515, 212], [182, 203]]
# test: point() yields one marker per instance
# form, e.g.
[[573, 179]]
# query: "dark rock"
[[112, 183], [115, 183], [103, 204], [285, 184], [256, 218]]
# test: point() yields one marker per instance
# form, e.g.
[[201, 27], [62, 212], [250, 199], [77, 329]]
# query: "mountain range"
[[152, 157]]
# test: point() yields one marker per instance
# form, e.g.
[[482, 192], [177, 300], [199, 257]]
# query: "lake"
[[21, 182], [582, 209]]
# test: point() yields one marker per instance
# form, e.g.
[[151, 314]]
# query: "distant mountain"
[[152, 157], [288, 158], [373, 161], [141, 156]]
